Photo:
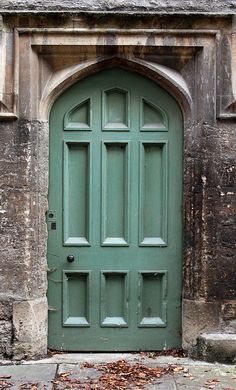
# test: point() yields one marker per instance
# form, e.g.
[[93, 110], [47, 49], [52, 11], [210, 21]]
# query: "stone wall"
[[155, 6], [23, 308], [192, 55]]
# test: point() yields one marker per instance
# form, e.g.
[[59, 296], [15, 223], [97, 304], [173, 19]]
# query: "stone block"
[[217, 347], [30, 328], [5, 310], [228, 310], [199, 317], [5, 338]]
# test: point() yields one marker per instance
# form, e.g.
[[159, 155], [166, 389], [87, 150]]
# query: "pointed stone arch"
[[169, 79]]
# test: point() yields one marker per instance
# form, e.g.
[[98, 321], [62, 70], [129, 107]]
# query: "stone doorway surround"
[[194, 65]]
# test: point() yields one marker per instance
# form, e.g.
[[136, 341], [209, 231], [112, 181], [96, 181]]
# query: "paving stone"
[[79, 372], [165, 383], [200, 377], [26, 374], [76, 358], [82, 375]]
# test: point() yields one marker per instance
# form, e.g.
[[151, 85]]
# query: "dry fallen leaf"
[[65, 374], [212, 382], [142, 375], [178, 369]]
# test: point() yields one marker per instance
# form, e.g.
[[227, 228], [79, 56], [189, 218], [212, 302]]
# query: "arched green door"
[[115, 220]]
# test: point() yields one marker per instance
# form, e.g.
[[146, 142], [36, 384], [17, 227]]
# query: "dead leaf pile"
[[119, 375], [5, 384], [175, 352]]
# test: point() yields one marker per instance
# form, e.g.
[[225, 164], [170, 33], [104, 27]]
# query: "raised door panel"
[[116, 110], [115, 193], [152, 117], [79, 117], [152, 298], [77, 193], [114, 298], [76, 299], [153, 193]]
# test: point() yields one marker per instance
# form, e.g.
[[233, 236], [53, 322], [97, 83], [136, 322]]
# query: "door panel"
[[115, 199], [153, 188], [115, 193], [77, 193], [152, 299], [76, 298], [114, 298]]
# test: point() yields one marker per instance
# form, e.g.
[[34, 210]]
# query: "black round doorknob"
[[70, 258]]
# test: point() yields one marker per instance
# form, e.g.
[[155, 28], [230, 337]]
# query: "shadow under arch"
[[167, 78]]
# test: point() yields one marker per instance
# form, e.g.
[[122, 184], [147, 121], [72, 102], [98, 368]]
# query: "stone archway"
[[48, 79]]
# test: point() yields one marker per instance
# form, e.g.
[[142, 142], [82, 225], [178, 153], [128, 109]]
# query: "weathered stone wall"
[[210, 294], [200, 48], [156, 6], [23, 309]]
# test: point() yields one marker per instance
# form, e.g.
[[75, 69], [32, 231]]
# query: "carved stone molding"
[[9, 74], [44, 58]]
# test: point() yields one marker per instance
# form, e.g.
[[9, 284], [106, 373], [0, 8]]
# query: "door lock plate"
[[51, 216]]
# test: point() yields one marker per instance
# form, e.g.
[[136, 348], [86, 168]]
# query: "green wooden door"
[[115, 201]]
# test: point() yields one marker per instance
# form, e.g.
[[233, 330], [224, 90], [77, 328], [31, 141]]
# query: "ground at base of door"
[[99, 371]]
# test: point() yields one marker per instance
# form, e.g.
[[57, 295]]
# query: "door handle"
[[70, 258]]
